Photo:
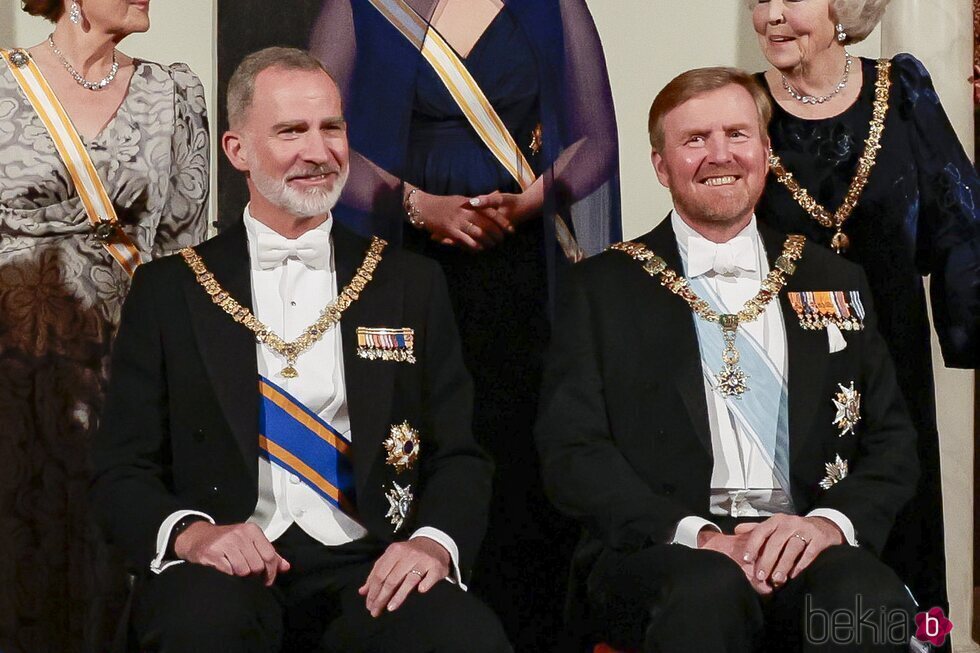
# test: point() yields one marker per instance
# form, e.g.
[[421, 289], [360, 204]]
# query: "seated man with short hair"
[[287, 441], [721, 414]]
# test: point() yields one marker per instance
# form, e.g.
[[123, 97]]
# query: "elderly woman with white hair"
[[864, 160]]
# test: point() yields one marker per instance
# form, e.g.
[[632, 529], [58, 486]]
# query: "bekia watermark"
[[863, 625], [932, 626]]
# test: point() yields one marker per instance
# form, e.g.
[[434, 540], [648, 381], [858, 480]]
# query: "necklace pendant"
[[289, 372], [731, 381], [840, 242]]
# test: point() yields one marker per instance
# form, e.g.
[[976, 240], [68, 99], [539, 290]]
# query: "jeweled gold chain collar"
[[731, 379], [872, 144], [329, 316]]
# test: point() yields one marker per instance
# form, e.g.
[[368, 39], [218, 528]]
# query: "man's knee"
[[715, 582], [190, 608], [464, 623], [844, 575]]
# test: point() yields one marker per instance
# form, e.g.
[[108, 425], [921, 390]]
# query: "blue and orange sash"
[[298, 440]]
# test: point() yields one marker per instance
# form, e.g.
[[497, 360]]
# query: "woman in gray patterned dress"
[[60, 297]]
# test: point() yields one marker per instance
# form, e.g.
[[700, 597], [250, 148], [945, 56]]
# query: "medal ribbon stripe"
[[89, 186], [856, 303], [295, 438]]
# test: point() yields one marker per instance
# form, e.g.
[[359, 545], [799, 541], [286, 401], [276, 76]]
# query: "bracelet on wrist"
[[412, 210]]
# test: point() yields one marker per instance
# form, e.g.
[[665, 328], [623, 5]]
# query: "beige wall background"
[[646, 43]]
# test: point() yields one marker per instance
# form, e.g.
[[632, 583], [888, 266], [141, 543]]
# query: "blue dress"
[[500, 300], [918, 215], [534, 62]]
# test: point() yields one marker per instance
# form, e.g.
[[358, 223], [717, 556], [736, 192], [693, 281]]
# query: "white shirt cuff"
[[688, 529], [163, 538], [840, 519], [449, 545]]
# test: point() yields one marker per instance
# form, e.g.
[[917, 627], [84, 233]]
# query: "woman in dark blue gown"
[[408, 132], [917, 215]]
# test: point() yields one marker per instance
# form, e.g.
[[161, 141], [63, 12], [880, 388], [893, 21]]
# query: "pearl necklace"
[[812, 99], [92, 86]]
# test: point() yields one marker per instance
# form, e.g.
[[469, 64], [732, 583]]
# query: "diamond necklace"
[[92, 86], [812, 99]]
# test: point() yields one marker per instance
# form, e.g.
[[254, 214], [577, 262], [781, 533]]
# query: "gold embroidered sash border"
[[866, 163], [731, 378], [329, 316]]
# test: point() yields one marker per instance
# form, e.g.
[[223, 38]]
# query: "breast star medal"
[[848, 404], [399, 504], [836, 472], [403, 446]]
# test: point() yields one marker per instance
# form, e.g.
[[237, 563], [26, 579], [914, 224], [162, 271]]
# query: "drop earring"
[[75, 13], [841, 34]]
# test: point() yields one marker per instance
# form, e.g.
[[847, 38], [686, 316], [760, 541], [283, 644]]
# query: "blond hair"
[[697, 82]]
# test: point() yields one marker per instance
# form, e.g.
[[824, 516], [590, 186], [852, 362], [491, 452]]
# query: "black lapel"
[[807, 351], [681, 355], [369, 384], [227, 347]]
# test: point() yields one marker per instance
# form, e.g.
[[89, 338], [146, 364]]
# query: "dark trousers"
[[312, 607], [669, 598]]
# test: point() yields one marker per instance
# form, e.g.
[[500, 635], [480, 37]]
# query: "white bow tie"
[[724, 258], [312, 248]]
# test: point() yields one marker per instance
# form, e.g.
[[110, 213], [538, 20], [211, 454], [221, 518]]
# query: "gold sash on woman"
[[471, 100], [98, 206]]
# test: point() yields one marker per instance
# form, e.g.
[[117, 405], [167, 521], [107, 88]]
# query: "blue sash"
[[298, 440], [762, 412]]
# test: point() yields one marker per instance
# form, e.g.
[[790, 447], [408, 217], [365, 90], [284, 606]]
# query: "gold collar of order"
[[866, 163], [329, 316], [731, 378]]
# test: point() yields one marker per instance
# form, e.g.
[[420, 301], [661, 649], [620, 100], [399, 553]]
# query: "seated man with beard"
[[722, 416], [286, 454]]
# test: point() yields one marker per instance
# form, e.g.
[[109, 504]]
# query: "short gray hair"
[[241, 86], [858, 17]]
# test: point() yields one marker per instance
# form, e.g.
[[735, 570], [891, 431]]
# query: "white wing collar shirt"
[[292, 281], [742, 481]]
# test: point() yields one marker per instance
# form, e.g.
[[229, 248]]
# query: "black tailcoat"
[[180, 429], [623, 427]]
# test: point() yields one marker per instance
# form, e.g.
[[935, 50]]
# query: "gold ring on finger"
[[804, 540], [416, 572]]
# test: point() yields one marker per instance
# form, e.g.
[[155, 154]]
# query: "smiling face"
[[792, 32], [117, 17], [713, 159], [292, 142]]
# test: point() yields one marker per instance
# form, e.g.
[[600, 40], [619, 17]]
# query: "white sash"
[[471, 100], [98, 206]]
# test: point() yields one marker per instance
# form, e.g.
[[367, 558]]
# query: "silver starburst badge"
[[399, 504], [848, 404], [731, 381], [403, 446], [836, 472]]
